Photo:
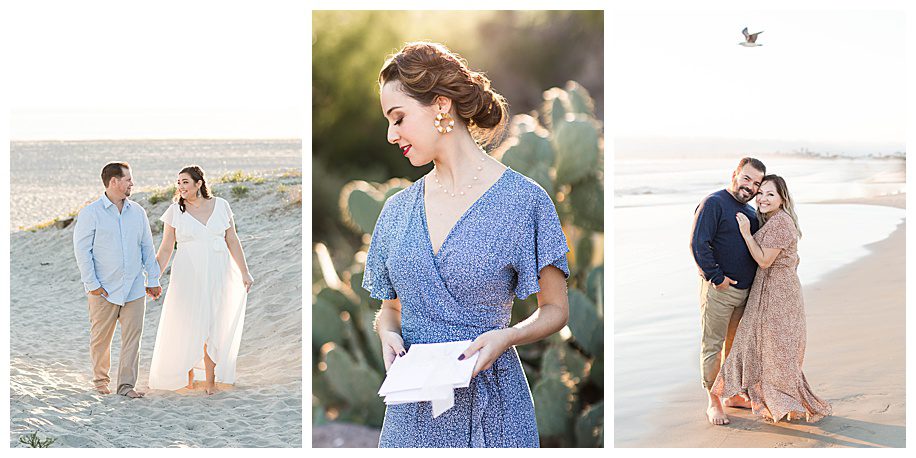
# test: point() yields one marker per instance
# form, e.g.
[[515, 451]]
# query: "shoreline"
[[862, 374]]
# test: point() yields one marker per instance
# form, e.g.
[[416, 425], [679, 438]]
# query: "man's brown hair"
[[113, 170]]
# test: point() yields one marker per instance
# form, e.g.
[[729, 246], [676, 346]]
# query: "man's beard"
[[739, 198]]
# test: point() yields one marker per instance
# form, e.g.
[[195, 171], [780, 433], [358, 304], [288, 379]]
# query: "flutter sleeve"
[[169, 216], [375, 278], [229, 214], [541, 243], [781, 233]]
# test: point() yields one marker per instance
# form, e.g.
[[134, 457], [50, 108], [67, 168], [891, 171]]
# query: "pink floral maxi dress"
[[765, 362]]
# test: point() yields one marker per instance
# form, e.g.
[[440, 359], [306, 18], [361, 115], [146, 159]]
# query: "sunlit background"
[[549, 66], [167, 70]]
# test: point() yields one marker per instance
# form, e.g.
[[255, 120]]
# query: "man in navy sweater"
[[726, 272]]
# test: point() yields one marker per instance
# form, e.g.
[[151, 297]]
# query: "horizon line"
[[155, 139]]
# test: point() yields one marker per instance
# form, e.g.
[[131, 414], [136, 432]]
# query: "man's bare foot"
[[716, 416], [103, 390], [737, 401], [133, 394], [714, 412]]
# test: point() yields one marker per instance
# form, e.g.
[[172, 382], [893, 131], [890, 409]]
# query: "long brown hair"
[[427, 70], [197, 174], [787, 203]]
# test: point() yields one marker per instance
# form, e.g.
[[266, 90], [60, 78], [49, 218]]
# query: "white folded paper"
[[429, 372]]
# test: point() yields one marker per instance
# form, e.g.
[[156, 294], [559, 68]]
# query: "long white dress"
[[204, 303]]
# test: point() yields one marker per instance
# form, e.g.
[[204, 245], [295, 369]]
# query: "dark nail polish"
[[461, 358], [402, 353]]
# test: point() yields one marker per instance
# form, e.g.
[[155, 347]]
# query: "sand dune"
[[50, 372]]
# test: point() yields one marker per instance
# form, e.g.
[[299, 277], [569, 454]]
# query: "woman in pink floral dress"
[[763, 371]]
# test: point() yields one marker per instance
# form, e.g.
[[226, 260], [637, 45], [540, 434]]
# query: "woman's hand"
[[392, 347], [744, 224], [491, 345], [247, 280]]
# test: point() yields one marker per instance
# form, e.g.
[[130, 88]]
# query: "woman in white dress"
[[204, 309]]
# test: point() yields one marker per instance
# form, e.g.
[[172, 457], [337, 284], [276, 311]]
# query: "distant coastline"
[[684, 147]]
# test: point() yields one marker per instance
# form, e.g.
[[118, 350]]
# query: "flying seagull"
[[750, 39]]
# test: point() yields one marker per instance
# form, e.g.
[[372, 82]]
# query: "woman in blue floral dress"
[[450, 253]]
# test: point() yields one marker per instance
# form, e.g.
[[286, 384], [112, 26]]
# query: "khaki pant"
[[103, 318], [720, 311]]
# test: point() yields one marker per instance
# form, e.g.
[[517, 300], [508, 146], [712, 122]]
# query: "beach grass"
[[60, 222], [42, 225], [33, 441], [160, 195], [240, 176], [239, 191], [293, 193], [291, 174]]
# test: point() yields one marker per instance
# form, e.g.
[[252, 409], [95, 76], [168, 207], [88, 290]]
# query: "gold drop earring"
[[444, 123]]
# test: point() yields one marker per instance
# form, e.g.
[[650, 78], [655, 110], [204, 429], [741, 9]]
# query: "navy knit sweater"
[[716, 243]]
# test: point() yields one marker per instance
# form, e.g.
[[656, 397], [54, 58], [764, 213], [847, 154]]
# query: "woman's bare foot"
[[210, 370], [737, 401], [714, 412], [190, 380]]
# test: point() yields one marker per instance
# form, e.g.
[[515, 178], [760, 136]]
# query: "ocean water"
[[677, 180], [49, 179], [656, 285]]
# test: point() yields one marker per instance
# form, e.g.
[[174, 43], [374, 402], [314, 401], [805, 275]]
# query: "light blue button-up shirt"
[[114, 249]]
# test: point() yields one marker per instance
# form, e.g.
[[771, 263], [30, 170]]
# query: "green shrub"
[[161, 195], [239, 191], [32, 440], [239, 176]]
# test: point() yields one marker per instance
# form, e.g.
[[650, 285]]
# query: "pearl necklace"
[[468, 186]]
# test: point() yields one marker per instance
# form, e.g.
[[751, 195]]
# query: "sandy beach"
[[855, 359], [50, 372]]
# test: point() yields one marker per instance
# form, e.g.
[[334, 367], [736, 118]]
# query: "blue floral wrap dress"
[[492, 254]]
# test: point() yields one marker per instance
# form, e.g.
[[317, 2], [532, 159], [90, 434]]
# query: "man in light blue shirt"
[[114, 251]]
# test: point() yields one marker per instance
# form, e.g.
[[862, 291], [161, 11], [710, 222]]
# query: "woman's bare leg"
[[191, 379], [737, 401], [210, 366]]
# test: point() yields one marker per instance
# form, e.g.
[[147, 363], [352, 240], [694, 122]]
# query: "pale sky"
[[829, 77], [165, 69]]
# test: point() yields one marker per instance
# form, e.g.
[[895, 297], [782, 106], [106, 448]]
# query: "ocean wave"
[[806, 153]]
